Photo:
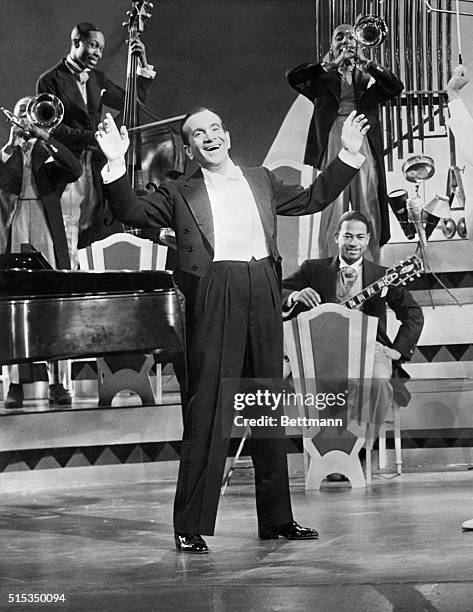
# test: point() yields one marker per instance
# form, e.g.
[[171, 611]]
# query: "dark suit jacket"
[[321, 275], [185, 207], [51, 178], [323, 89], [77, 129]]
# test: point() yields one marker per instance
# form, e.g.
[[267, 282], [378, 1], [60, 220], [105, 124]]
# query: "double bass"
[[156, 152]]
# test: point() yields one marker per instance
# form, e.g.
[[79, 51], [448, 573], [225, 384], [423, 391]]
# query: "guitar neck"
[[360, 298]]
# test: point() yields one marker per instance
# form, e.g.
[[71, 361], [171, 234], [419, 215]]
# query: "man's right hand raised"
[[114, 143]]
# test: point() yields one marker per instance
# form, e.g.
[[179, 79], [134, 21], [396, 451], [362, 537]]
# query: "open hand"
[[353, 132], [114, 143]]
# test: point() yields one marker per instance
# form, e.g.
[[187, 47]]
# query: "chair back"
[[123, 251], [331, 350]]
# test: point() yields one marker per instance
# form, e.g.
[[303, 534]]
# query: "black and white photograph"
[[236, 305]]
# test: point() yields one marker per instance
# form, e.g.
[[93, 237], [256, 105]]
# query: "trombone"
[[44, 111]]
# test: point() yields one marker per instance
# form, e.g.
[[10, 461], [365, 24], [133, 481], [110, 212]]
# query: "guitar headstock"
[[137, 16], [405, 271]]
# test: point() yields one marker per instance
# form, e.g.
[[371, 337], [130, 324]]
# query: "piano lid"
[[39, 283], [32, 260]]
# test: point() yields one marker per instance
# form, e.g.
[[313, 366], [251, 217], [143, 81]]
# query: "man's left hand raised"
[[353, 132]]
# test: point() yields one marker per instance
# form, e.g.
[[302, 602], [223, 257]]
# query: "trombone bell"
[[45, 111], [370, 31]]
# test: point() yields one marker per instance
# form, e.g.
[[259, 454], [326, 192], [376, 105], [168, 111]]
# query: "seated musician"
[[344, 276], [34, 169]]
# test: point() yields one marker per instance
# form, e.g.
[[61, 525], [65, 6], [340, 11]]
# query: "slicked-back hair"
[[195, 111], [353, 215], [81, 31]]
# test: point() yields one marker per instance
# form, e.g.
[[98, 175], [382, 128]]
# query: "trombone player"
[[345, 80], [34, 170]]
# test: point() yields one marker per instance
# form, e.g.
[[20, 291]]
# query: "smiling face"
[[88, 52], [208, 142], [352, 240]]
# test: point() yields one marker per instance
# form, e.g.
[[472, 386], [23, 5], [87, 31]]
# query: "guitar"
[[398, 275]]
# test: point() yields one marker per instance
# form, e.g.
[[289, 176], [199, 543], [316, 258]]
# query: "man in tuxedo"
[[228, 267], [83, 90], [345, 79], [344, 276], [34, 170]]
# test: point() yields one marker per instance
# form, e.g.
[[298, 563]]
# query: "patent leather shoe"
[[59, 395], [190, 543], [14, 397], [290, 531]]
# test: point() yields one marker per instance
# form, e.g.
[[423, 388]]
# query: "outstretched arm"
[[155, 210], [294, 200]]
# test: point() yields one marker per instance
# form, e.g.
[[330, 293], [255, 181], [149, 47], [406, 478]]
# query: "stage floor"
[[397, 545]]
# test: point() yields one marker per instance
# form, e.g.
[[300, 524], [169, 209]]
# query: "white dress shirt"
[[238, 231]]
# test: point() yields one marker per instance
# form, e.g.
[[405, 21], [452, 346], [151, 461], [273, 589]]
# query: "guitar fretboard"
[[364, 295]]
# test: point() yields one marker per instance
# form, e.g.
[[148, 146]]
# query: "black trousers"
[[234, 331]]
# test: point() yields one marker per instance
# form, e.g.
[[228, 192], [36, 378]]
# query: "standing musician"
[[343, 81], [344, 276], [228, 268], [33, 173], [83, 90]]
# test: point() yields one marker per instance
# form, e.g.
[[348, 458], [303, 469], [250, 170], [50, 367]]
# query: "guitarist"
[[340, 278]]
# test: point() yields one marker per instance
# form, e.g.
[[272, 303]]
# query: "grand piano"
[[50, 314]]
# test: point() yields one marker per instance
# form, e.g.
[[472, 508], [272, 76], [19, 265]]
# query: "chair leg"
[[158, 386], [397, 437], [236, 458], [382, 447], [369, 441]]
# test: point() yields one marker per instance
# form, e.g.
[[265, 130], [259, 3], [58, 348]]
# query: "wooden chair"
[[316, 343], [123, 251]]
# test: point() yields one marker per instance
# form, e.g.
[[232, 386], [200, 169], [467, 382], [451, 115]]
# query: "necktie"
[[349, 276], [347, 73], [82, 77], [26, 148]]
